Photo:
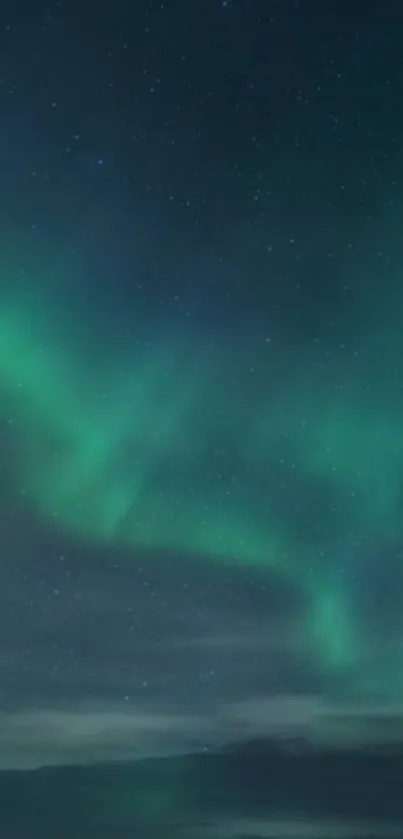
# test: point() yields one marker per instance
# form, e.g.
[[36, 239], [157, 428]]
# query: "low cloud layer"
[[93, 734], [285, 828]]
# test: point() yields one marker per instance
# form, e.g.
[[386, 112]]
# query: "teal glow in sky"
[[276, 464]]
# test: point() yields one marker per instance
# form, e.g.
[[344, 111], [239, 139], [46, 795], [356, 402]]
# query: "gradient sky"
[[201, 362]]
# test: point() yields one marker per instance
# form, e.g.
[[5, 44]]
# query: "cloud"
[[89, 734], [286, 828], [319, 723]]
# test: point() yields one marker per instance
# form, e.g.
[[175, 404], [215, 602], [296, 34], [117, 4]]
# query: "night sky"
[[201, 376]]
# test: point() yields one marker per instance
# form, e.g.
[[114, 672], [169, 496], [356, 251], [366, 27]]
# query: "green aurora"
[[276, 465]]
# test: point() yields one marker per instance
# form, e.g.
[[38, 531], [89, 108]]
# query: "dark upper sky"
[[239, 153]]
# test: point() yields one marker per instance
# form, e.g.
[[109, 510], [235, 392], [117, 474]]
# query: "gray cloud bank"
[[286, 828], [90, 734]]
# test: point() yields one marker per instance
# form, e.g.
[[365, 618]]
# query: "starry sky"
[[201, 364]]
